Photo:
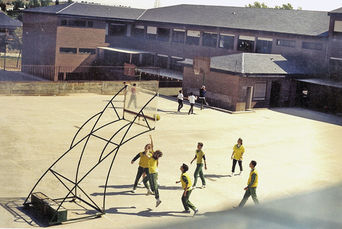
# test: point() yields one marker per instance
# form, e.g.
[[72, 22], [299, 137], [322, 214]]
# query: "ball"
[[157, 117]]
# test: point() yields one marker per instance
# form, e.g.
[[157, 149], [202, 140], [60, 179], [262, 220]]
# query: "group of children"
[[148, 168], [192, 99]]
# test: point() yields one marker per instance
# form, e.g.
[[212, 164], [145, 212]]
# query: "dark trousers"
[[186, 202], [191, 110], [234, 164], [154, 184], [180, 104], [249, 192], [203, 101], [199, 171], [140, 172]]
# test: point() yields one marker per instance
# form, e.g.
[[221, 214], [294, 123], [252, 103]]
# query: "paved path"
[[295, 155]]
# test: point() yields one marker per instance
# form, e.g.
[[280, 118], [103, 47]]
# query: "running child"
[[199, 168], [186, 185], [192, 100]]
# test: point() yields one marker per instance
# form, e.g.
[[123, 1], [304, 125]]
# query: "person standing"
[[238, 151], [252, 184], [180, 98], [202, 93], [192, 100], [153, 171], [200, 156], [143, 166], [186, 185], [133, 97]]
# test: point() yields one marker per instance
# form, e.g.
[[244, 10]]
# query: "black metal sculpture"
[[75, 183]]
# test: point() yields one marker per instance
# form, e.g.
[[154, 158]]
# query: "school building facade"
[[59, 40]]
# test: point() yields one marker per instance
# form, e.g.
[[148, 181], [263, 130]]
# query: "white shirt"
[[180, 96], [192, 98]]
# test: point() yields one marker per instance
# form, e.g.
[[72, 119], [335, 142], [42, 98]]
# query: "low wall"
[[65, 88]]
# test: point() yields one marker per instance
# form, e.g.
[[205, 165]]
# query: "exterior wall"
[[39, 40], [75, 37]]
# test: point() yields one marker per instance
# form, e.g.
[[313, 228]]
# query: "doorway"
[[249, 95], [275, 94]]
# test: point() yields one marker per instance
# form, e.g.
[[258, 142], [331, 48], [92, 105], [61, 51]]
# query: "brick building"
[[59, 40]]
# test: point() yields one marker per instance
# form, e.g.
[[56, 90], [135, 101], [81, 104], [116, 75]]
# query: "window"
[[312, 45], [226, 41], [90, 24], [117, 29], [64, 22], [151, 32], [147, 59], [246, 43], [163, 34], [193, 37], [264, 45], [260, 91], [209, 39], [286, 43], [139, 31], [68, 50], [178, 35], [86, 51], [174, 65], [162, 61], [77, 23], [338, 26]]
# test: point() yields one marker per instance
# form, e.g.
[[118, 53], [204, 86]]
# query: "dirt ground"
[[298, 152]]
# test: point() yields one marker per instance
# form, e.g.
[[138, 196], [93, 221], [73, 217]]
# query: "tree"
[[18, 4], [2, 6], [45, 2], [257, 5], [287, 6], [34, 3]]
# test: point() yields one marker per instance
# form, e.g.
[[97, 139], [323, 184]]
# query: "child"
[[238, 151], [153, 171], [186, 185], [192, 100], [180, 98], [200, 157], [143, 166]]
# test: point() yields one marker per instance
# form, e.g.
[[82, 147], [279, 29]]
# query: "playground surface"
[[298, 153]]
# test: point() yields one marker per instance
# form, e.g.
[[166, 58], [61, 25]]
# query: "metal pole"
[[5, 50]]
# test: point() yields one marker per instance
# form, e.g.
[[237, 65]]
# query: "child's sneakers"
[[158, 202], [203, 186], [133, 191], [195, 212], [186, 211], [149, 192]]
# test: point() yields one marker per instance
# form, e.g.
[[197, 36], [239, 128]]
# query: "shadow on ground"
[[310, 114]]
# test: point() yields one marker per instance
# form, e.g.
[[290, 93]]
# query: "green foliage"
[[2, 6], [34, 3], [17, 39], [257, 5], [45, 2], [287, 6], [18, 4]]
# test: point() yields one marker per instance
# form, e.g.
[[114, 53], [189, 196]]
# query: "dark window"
[[245, 45], [90, 24], [286, 43], [117, 29], [77, 23], [138, 31], [193, 37], [85, 50], [163, 34], [68, 50], [209, 39], [162, 61], [178, 36], [147, 59], [264, 46], [312, 45], [226, 41], [64, 22], [174, 64], [151, 32]]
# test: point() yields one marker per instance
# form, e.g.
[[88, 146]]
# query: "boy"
[[251, 186], [192, 100], [238, 151], [180, 98], [143, 166], [153, 171], [186, 185], [200, 157]]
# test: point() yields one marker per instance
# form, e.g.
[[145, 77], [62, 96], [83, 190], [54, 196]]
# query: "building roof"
[[313, 23], [323, 82], [300, 22], [258, 64], [7, 22], [337, 11], [90, 10]]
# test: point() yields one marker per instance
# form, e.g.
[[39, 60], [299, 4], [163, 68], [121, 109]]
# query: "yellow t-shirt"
[[255, 184], [199, 154], [238, 151], [144, 159], [152, 165], [183, 183]]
